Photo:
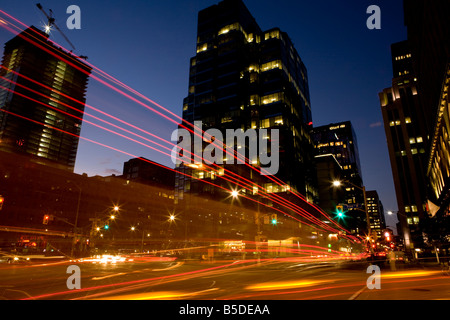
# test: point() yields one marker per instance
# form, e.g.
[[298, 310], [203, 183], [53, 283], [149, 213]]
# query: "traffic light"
[[46, 219], [2, 200], [273, 219], [106, 227], [340, 211]]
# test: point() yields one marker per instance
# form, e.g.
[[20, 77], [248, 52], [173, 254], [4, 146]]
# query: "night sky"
[[147, 45]]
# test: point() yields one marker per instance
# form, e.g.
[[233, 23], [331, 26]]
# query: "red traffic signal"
[[46, 218], [2, 200]]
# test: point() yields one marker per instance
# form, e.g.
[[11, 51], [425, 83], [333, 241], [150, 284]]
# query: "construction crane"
[[51, 22]]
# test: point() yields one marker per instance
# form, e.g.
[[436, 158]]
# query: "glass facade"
[[242, 77], [42, 96]]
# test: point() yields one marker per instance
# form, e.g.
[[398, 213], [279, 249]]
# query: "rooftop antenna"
[[51, 22]]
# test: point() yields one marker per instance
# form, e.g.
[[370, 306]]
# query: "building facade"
[[406, 135], [428, 30], [42, 99], [244, 78], [329, 170], [375, 211], [339, 139], [76, 205], [145, 171]]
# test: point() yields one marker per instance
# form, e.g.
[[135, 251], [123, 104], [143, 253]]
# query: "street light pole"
[[363, 188], [76, 216]]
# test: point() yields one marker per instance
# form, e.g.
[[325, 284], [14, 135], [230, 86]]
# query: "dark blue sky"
[[148, 44]]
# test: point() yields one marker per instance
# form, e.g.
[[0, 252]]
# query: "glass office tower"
[[42, 97]]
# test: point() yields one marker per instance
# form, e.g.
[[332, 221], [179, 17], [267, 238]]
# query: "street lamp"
[[76, 216], [338, 183]]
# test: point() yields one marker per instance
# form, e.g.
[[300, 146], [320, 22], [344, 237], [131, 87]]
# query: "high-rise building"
[[339, 139], [375, 211], [428, 34], [406, 135], [245, 78], [428, 30], [42, 99]]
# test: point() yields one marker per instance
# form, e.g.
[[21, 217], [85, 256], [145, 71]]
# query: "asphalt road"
[[166, 279]]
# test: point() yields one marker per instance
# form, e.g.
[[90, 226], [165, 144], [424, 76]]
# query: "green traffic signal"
[[274, 221], [340, 211], [106, 227]]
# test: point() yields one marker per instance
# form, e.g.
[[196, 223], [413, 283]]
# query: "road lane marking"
[[357, 293], [171, 267], [108, 276]]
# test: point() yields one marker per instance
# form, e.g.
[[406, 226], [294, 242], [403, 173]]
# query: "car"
[[11, 258]]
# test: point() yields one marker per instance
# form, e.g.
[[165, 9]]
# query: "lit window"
[[265, 123], [408, 120], [254, 100], [228, 28], [279, 120], [271, 98], [276, 64], [419, 139], [202, 47], [253, 68], [272, 34], [412, 140]]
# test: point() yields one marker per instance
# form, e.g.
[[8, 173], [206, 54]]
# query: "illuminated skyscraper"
[[246, 78], [42, 97], [406, 135], [375, 211], [339, 140]]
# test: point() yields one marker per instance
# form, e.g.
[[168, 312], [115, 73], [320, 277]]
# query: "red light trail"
[[248, 185]]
